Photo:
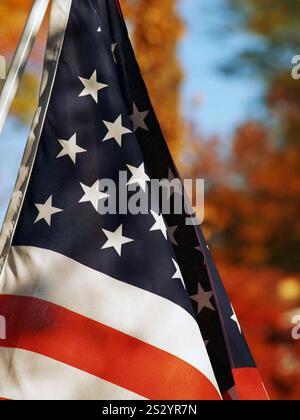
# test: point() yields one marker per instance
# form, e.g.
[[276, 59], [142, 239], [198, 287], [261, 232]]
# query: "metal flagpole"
[[20, 59]]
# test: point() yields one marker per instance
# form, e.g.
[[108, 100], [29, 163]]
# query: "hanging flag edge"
[[60, 11]]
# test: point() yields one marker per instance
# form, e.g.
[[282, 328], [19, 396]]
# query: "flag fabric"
[[114, 306]]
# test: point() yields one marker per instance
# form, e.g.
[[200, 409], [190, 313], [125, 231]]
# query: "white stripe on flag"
[[30, 376], [52, 277]]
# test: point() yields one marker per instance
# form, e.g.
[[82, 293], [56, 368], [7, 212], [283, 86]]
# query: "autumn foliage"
[[253, 192]]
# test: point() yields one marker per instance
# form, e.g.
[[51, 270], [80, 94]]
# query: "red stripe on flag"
[[249, 385], [50, 330]]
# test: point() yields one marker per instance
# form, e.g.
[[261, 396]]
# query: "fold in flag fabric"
[[107, 306]]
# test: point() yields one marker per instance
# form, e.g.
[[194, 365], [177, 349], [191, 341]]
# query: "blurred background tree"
[[14, 14]]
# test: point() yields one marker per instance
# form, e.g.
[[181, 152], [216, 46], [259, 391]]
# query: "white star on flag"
[[70, 148], [116, 240], [46, 211], [116, 131], [159, 224], [92, 86], [139, 176], [92, 194], [235, 319], [99, 29], [203, 299], [113, 50], [178, 274], [138, 118]]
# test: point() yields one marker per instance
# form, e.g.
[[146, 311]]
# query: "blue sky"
[[226, 101]]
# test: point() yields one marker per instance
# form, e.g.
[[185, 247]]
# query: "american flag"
[[114, 306]]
